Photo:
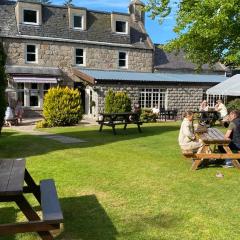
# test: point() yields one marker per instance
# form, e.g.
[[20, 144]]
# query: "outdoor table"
[[125, 118], [13, 174], [170, 114], [212, 138], [208, 117]]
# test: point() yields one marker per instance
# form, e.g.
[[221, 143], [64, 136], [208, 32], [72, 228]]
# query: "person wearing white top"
[[155, 110], [221, 108], [186, 138]]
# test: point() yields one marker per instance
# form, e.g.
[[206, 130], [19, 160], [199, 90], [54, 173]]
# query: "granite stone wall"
[[184, 97], [62, 55]]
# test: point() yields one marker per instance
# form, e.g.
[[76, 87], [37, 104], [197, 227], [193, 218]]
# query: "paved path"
[[28, 126]]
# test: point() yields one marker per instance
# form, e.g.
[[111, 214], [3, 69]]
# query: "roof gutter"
[[28, 37]]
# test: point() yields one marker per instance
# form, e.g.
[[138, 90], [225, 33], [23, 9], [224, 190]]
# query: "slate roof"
[[152, 77], [55, 25], [164, 61]]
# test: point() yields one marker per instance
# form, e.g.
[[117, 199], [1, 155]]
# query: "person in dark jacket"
[[233, 133]]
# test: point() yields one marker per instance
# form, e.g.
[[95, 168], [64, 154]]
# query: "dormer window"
[[121, 27], [78, 22], [30, 16]]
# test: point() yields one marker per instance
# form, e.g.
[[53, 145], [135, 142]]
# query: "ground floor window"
[[32, 94], [151, 97], [212, 99]]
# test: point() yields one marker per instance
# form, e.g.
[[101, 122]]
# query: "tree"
[[3, 81], [68, 3], [207, 30]]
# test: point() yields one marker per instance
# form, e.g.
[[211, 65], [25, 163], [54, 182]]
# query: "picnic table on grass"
[[13, 174], [207, 117], [212, 138], [113, 119]]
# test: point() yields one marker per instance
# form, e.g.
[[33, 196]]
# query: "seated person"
[[221, 109], [186, 138], [8, 116], [233, 133], [204, 106], [155, 110]]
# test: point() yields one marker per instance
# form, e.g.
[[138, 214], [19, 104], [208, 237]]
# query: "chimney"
[[136, 11]]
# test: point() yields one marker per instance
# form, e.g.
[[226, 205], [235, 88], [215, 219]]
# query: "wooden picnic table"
[[125, 118], [212, 138], [13, 174], [207, 117]]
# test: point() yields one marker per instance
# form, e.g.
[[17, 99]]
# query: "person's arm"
[[187, 132], [229, 131]]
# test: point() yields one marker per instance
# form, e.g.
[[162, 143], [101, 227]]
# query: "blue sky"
[[158, 34]]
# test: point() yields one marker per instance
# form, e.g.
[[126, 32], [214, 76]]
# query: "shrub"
[[147, 115], [234, 105], [117, 102], [62, 107], [41, 124], [3, 78]]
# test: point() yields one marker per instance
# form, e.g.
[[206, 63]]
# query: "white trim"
[[36, 53], [82, 21], [28, 37], [126, 60], [126, 27], [84, 57], [37, 16]]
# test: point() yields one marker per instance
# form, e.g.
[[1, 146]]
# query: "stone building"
[[93, 51]]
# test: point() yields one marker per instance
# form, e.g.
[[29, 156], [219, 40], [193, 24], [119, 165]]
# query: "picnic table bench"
[[212, 138], [170, 114], [113, 119], [13, 174]]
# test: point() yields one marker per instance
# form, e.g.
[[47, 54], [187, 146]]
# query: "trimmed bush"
[[62, 107], [117, 102], [3, 80], [234, 105], [147, 115]]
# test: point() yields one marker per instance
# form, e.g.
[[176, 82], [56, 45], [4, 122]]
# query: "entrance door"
[[81, 88]]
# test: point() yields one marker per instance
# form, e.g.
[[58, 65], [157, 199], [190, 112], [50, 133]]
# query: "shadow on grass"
[[86, 219], [7, 215], [14, 144]]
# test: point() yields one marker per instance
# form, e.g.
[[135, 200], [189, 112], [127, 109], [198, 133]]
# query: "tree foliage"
[[234, 105], [3, 80], [117, 102], [68, 3], [207, 30]]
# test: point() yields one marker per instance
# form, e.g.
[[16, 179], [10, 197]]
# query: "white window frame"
[[37, 16], [78, 15], [84, 56], [126, 30], [155, 99], [211, 99], [36, 53], [126, 59]]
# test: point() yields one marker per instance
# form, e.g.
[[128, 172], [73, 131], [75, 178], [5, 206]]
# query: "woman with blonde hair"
[[186, 138]]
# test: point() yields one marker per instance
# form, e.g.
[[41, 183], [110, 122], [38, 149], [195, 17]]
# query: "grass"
[[128, 187]]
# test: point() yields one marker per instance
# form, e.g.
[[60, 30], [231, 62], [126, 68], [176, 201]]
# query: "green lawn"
[[129, 186]]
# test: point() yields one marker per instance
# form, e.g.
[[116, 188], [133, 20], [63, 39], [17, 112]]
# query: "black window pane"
[[31, 57], [30, 16], [122, 63], [77, 21], [34, 86], [122, 55], [79, 60], [31, 48], [33, 101], [79, 52], [120, 26], [46, 86]]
